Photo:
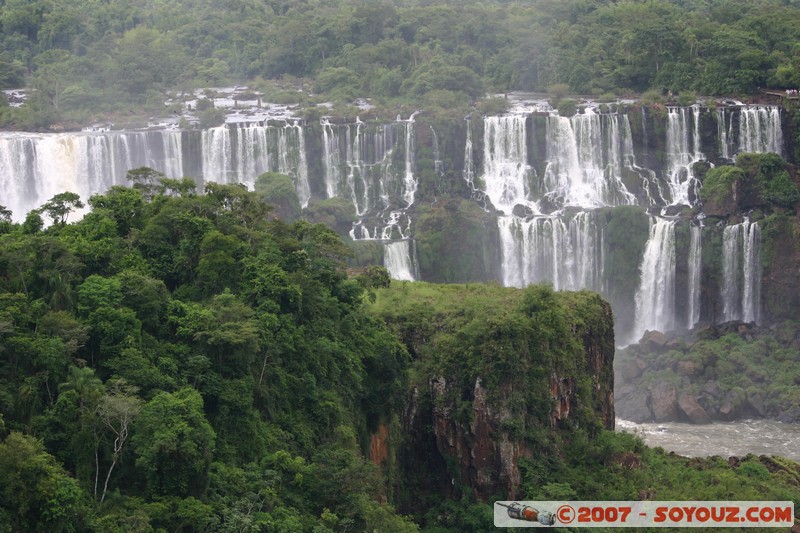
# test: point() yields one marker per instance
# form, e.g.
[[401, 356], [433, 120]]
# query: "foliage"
[[190, 362], [167, 343], [278, 191], [87, 57], [739, 367], [718, 183], [760, 179]]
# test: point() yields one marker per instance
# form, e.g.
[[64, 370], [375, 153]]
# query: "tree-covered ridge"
[[93, 55], [183, 362], [193, 365]]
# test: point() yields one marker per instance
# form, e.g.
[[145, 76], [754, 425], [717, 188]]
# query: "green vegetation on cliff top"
[[176, 361]]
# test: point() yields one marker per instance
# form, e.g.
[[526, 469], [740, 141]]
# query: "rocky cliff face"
[[467, 427]]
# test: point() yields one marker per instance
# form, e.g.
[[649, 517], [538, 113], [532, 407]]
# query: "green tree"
[[60, 206], [36, 494], [174, 443]]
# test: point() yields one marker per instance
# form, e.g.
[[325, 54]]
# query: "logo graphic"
[[518, 511]]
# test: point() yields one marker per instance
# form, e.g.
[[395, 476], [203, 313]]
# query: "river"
[[759, 437]]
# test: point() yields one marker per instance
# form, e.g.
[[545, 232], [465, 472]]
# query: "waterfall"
[[409, 183], [731, 246], [469, 165], [655, 299], [741, 271], [547, 249], [586, 155], [505, 156], [751, 274], [331, 161], [292, 161], [694, 271], [357, 184], [397, 260], [760, 129], [35, 167], [683, 151], [438, 164], [724, 133]]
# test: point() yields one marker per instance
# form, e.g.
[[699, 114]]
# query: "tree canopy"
[[94, 56]]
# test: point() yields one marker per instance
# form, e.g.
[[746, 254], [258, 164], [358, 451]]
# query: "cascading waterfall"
[[331, 161], [725, 133], [586, 156], [731, 249], [741, 270], [357, 184], [397, 260], [683, 151], [751, 295], [292, 160], [760, 129], [242, 152], [35, 167], [694, 271], [547, 249], [409, 183], [469, 164], [505, 168], [655, 299], [581, 162]]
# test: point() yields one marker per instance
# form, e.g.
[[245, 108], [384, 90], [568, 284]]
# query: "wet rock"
[[687, 368], [664, 402], [677, 344], [673, 210], [756, 404], [712, 388], [522, 211], [549, 204], [634, 407], [653, 340], [692, 410], [731, 407], [633, 369]]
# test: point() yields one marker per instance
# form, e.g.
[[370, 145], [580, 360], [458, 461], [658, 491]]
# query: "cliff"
[[496, 374]]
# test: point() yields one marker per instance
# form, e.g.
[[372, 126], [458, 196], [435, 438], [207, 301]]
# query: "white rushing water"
[[683, 151], [505, 162], [36, 166], [568, 254], [726, 439], [586, 155], [760, 129], [695, 268], [655, 299], [397, 260], [741, 269], [724, 133]]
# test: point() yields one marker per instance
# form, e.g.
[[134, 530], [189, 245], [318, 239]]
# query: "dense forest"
[[90, 56], [185, 362]]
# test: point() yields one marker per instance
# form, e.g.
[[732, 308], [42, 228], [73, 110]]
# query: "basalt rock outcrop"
[[728, 372], [498, 371]]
